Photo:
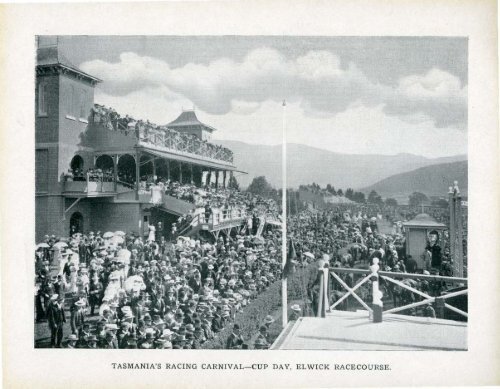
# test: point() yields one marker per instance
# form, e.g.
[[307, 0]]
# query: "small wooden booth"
[[417, 231]]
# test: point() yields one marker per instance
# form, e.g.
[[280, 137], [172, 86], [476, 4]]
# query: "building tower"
[[64, 98]]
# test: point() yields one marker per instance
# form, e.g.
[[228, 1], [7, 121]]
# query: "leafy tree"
[[442, 203], [233, 183], [417, 198], [374, 198], [340, 193], [390, 202], [359, 197], [260, 186], [349, 193]]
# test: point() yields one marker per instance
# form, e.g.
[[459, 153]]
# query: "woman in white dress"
[[151, 236]]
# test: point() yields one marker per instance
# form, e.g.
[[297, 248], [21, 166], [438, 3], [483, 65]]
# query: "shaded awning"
[[189, 159]]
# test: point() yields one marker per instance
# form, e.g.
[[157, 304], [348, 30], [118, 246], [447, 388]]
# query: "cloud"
[[437, 95], [318, 81], [244, 107]]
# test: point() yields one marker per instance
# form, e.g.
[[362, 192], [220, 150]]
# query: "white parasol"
[[117, 239], [60, 245], [134, 284], [309, 254], [42, 246]]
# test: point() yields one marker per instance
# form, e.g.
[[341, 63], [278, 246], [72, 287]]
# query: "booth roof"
[[189, 118], [423, 220]]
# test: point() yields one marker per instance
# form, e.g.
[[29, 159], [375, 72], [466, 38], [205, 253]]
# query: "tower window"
[[83, 104], [42, 99]]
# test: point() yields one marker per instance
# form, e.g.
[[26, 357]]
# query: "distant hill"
[[308, 164], [256, 160], [432, 180]]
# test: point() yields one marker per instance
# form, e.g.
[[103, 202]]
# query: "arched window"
[[104, 162], [76, 163], [126, 170], [75, 223]]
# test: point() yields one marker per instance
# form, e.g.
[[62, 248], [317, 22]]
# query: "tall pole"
[[284, 289], [460, 247], [451, 199]]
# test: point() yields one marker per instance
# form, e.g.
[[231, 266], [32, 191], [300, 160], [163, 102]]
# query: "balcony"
[[219, 219], [160, 138], [86, 187]]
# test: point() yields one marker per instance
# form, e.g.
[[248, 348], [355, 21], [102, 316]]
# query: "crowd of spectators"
[[93, 174], [120, 290], [158, 135], [344, 237], [125, 292]]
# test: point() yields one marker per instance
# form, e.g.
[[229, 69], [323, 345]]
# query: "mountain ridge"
[[306, 164], [433, 180]]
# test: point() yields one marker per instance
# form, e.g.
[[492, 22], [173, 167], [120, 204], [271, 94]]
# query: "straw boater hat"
[[269, 319], [295, 307]]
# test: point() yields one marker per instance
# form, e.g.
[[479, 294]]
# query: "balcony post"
[[115, 173], [180, 172], [168, 170], [137, 174], [224, 173], [154, 168], [191, 171], [216, 178]]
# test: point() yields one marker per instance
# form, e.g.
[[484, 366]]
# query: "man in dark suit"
[[235, 340], [56, 319], [435, 251]]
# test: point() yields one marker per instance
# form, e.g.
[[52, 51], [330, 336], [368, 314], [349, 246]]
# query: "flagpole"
[[284, 289]]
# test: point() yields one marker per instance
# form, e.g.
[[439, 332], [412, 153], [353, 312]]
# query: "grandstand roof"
[[51, 56], [187, 119]]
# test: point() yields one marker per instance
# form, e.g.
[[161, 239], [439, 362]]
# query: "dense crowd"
[[158, 135], [128, 291], [93, 174], [344, 237]]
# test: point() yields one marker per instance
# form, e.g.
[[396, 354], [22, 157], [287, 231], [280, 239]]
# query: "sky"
[[359, 95]]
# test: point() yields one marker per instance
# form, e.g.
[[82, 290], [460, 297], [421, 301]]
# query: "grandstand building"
[[91, 165]]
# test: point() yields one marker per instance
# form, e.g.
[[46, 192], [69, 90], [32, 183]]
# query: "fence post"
[[325, 294], [321, 294], [376, 293], [440, 307]]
